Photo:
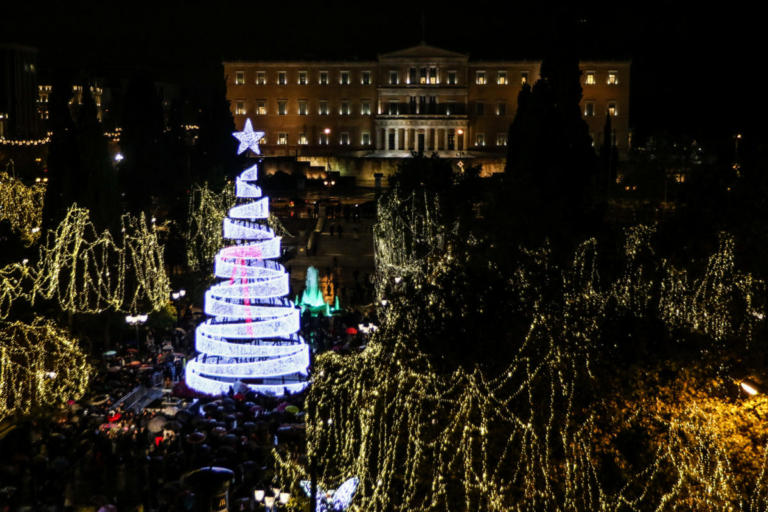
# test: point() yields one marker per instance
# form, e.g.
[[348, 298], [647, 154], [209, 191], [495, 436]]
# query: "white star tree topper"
[[248, 138]]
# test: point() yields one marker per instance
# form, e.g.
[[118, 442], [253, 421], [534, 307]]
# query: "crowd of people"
[[101, 454], [112, 450]]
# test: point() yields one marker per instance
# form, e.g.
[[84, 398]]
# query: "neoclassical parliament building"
[[421, 98]]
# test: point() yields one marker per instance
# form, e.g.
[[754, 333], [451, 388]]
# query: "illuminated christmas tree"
[[252, 338]]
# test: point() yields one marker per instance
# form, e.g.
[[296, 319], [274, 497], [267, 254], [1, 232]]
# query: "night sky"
[[694, 70]]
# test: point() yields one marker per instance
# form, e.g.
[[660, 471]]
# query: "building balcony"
[[407, 110]]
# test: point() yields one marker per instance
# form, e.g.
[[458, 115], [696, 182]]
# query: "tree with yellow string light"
[[536, 418]]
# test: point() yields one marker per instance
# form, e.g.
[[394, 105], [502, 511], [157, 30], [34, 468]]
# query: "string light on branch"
[[534, 434], [22, 207], [40, 366], [84, 271]]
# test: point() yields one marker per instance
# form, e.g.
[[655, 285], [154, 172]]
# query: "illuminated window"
[[322, 108], [365, 78], [394, 78], [589, 109], [282, 107], [590, 78], [303, 78], [433, 76], [479, 139], [282, 78], [501, 78], [613, 111], [613, 78], [282, 138], [303, 110], [43, 97], [324, 139], [240, 108], [365, 138], [344, 77], [344, 139], [501, 109], [480, 77], [303, 139], [365, 108], [422, 75], [451, 78], [393, 108], [239, 77], [344, 109], [261, 107], [323, 78], [501, 139], [261, 78], [479, 108], [523, 77]]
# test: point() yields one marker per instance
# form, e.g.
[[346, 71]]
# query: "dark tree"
[[551, 170], [63, 171], [98, 191], [214, 153], [608, 156], [141, 144]]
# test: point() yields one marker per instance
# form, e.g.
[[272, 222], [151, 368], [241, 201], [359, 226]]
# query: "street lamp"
[[136, 320], [749, 389], [327, 133], [175, 297], [270, 502]]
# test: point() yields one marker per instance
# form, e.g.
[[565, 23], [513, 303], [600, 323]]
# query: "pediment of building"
[[423, 51]]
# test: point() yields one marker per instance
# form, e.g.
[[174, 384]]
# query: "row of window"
[[345, 108], [590, 78], [324, 139], [421, 76], [590, 109], [391, 108], [302, 78], [302, 108]]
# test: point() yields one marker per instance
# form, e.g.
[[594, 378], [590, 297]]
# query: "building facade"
[[421, 98], [18, 91]]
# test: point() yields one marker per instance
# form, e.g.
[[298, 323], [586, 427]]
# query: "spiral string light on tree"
[[252, 338]]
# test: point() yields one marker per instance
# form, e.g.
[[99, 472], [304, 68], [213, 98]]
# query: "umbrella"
[[157, 423], [133, 350], [196, 437], [292, 409], [281, 406], [173, 425], [110, 353], [183, 416]]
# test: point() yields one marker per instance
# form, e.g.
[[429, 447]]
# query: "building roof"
[[423, 51]]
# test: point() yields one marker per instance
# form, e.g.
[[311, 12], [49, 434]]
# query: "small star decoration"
[[248, 138]]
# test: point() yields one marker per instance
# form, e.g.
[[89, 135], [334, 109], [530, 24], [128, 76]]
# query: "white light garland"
[[253, 336], [255, 210]]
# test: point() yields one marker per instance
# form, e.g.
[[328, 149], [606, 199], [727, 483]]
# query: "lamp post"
[[327, 133], [270, 502], [136, 320], [175, 297]]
